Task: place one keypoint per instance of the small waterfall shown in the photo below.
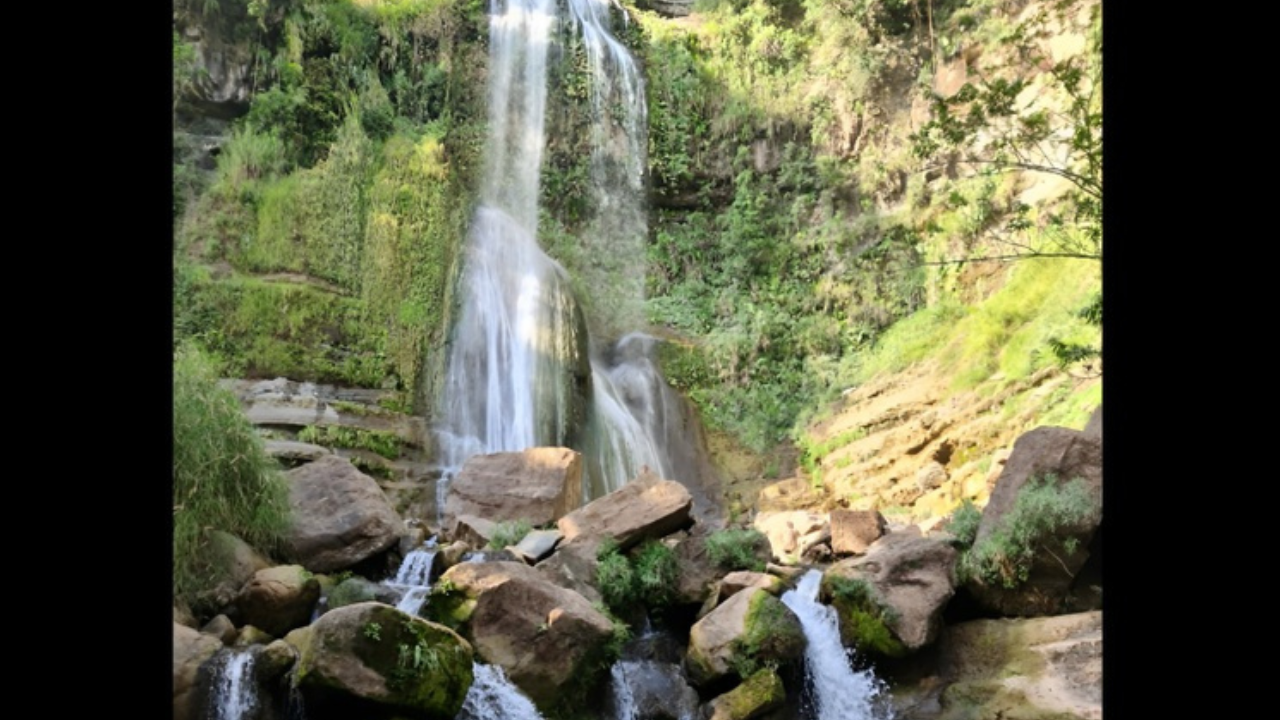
(413, 578)
(493, 697)
(640, 684)
(234, 695)
(836, 692)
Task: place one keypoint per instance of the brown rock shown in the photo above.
(735, 582)
(339, 515)
(646, 507)
(792, 532)
(472, 530)
(222, 628)
(279, 599)
(721, 640)
(543, 636)
(853, 531)
(538, 485)
(190, 650)
(909, 574)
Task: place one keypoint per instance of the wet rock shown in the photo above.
(370, 659)
(544, 636)
(655, 690)
(279, 599)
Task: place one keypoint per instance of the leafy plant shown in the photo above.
(736, 549)
(656, 574)
(509, 532)
(614, 576)
(1044, 508)
(964, 524)
(373, 631)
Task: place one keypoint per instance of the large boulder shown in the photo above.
(748, 629)
(890, 601)
(548, 640)
(191, 649)
(372, 660)
(279, 599)
(232, 562)
(573, 566)
(1021, 669)
(339, 515)
(1036, 530)
(539, 485)
(646, 507)
(853, 531)
(698, 573)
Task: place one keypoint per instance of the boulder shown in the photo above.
(544, 637)
(1044, 584)
(373, 660)
(749, 628)
(339, 515)
(1024, 668)
(853, 531)
(757, 695)
(279, 599)
(792, 532)
(357, 590)
(274, 661)
(190, 650)
(539, 485)
(900, 586)
(573, 566)
(735, 582)
(698, 574)
(474, 531)
(233, 562)
(644, 508)
(222, 628)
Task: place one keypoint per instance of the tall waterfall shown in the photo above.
(522, 371)
(833, 689)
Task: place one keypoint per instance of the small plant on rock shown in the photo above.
(509, 533)
(735, 549)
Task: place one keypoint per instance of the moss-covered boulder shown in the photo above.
(551, 642)
(750, 629)
(374, 661)
(890, 601)
(357, 590)
(756, 696)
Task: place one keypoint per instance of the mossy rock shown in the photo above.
(757, 695)
(373, 658)
(357, 590)
(864, 619)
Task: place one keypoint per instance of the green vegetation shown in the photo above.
(387, 444)
(736, 549)
(864, 619)
(509, 532)
(1039, 525)
(964, 524)
(647, 577)
(772, 636)
(222, 477)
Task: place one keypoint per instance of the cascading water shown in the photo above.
(234, 695)
(521, 369)
(834, 690)
(492, 696)
(413, 578)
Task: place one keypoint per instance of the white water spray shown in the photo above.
(492, 697)
(234, 694)
(836, 691)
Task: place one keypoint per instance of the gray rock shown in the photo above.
(647, 507)
(537, 545)
(339, 515)
(538, 485)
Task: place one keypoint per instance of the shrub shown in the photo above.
(222, 477)
(735, 549)
(656, 574)
(614, 576)
(863, 617)
(1042, 509)
(509, 532)
(964, 524)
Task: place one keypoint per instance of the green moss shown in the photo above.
(384, 443)
(772, 636)
(761, 691)
(864, 619)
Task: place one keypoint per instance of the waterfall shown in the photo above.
(492, 696)
(234, 695)
(834, 690)
(413, 578)
(522, 371)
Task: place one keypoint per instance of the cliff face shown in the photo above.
(815, 171)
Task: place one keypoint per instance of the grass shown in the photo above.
(509, 532)
(736, 549)
(222, 477)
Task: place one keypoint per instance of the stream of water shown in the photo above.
(834, 691)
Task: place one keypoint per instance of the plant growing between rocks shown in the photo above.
(735, 549)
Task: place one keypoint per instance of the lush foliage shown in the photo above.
(509, 532)
(863, 617)
(647, 576)
(964, 524)
(1039, 526)
(222, 478)
(736, 549)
